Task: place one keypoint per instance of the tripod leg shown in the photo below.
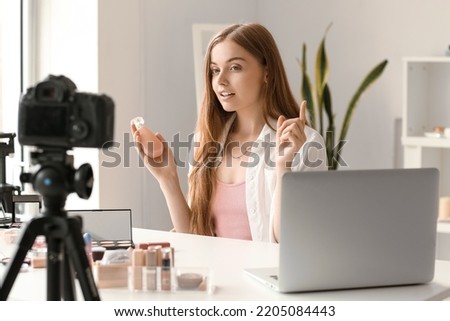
(68, 275)
(76, 251)
(54, 268)
(32, 230)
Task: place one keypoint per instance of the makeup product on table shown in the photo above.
(135, 270)
(152, 260)
(166, 267)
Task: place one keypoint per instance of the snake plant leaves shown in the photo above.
(370, 78)
(306, 90)
(321, 94)
(321, 75)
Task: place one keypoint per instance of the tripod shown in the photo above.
(66, 254)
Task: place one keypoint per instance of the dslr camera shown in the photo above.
(54, 114)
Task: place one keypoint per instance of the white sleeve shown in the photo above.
(312, 156)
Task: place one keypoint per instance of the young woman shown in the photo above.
(250, 131)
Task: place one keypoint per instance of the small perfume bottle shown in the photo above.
(152, 146)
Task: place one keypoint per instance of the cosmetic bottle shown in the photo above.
(151, 145)
(135, 271)
(166, 259)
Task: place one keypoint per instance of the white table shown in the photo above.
(228, 258)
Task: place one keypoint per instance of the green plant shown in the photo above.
(320, 96)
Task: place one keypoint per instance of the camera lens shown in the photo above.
(79, 130)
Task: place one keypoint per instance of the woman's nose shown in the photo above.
(222, 79)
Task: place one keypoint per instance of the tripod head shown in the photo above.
(54, 177)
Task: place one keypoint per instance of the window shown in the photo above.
(1, 50)
(10, 80)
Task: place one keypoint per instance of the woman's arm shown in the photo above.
(277, 206)
(176, 202)
(290, 138)
(164, 169)
(311, 157)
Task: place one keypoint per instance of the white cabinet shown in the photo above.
(426, 105)
(443, 241)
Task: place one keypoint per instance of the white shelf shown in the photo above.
(420, 141)
(426, 105)
(444, 227)
(430, 59)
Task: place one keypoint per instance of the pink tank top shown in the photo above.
(229, 211)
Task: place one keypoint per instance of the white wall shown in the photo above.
(140, 52)
(121, 75)
(363, 33)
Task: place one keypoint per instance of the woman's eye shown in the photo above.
(215, 71)
(235, 67)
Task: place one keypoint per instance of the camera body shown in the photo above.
(54, 114)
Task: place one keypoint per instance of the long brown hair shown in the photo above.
(278, 98)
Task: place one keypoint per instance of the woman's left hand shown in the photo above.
(290, 138)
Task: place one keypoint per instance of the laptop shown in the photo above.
(355, 229)
(109, 228)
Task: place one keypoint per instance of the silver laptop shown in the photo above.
(355, 228)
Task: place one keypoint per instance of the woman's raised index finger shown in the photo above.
(303, 112)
